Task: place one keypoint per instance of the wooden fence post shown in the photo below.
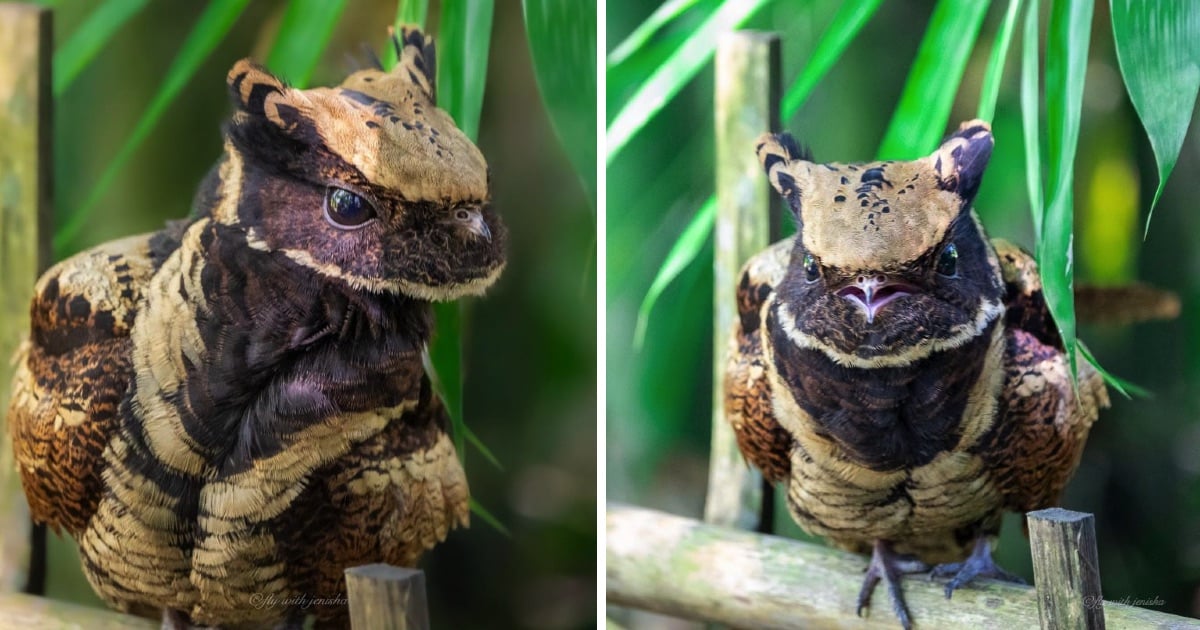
(25, 211)
(747, 105)
(1066, 569)
(387, 597)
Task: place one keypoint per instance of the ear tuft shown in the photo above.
(776, 153)
(250, 84)
(962, 158)
(417, 58)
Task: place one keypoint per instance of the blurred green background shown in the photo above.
(1140, 473)
(528, 347)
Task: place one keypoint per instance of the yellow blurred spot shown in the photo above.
(1109, 224)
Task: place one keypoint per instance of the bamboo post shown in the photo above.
(747, 105)
(25, 168)
(685, 568)
(387, 597)
(1066, 569)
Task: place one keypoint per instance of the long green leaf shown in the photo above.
(852, 15)
(682, 254)
(678, 70)
(920, 118)
(78, 51)
(995, 69)
(304, 32)
(843, 28)
(1029, 117)
(1158, 47)
(1124, 387)
(666, 12)
(1068, 36)
(210, 29)
(465, 33)
(487, 452)
(562, 41)
(408, 13)
(487, 517)
(463, 39)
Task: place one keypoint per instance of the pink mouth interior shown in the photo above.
(880, 297)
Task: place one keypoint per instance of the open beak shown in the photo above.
(871, 292)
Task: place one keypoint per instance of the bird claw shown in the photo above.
(888, 566)
(978, 564)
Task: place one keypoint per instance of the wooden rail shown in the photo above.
(685, 568)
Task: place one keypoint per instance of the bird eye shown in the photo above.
(462, 215)
(346, 210)
(947, 263)
(811, 271)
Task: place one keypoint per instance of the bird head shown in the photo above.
(890, 262)
(367, 182)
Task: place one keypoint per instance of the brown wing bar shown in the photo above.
(71, 376)
(763, 442)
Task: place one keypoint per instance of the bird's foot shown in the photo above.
(978, 564)
(888, 566)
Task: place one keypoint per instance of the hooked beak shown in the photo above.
(479, 227)
(472, 221)
(871, 292)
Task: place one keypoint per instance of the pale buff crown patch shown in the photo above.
(385, 124)
(874, 215)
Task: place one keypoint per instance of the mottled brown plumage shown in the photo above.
(897, 371)
(228, 413)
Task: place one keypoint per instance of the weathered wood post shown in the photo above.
(747, 104)
(1066, 569)
(25, 212)
(387, 597)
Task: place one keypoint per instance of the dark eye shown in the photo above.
(462, 215)
(811, 271)
(346, 210)
(947, 263)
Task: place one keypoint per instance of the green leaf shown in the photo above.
(487, 452)
(849, 20)
(481, 512)
(210, 29)
(1158, 48)
(445, 369)
(679, 69)
(78, 51)
(412, 12)
(562, 42)
(1029, 117)
(465, 32)
(1124, 387)
(995, 69)
(408, 13)
(682, 253)
(304, 32)
(1067, 40)
(666, 12)
(920, 118)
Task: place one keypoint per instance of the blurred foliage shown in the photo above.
(913, 66)
(147, 84)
